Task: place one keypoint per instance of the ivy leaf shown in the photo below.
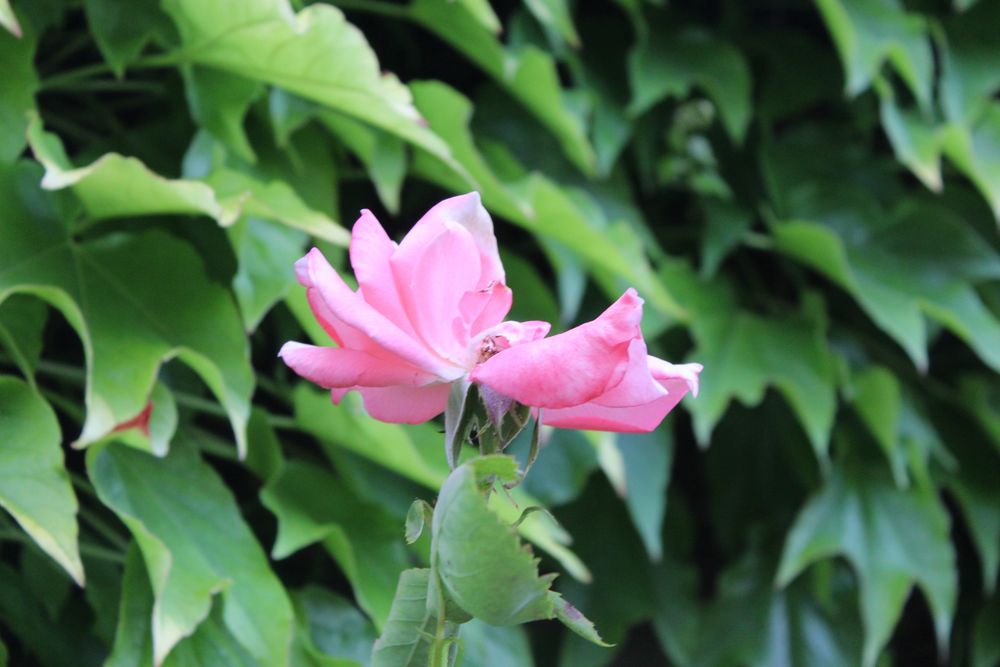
(122, 30)
(903, 434)
(648, 459)
(924, 260)
(116, 186)
(672, 64)
(195, 544)
(264, 251)
(894, 540)
(335, 626)
(22, 320)
(968, 80)
(18, 84)
(219, 103)
(868, 33)
(35, 487)
(134, 300)
(8, 20)
(312, 506)
(986, 645)
(555, 17)
(748, 622)
(788, 353)
(528, 74)
(315, 53)
(383, 154)
(534, 202)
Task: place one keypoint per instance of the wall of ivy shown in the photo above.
(806, 195)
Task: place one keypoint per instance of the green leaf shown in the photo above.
(671, 64)
(972, 483)
(133, 645)
(411, 628)
(745, 353)
(122, 30)
(335, 627)
(195, 544)
(748, 622)
(134, 300)
(924, 260)
(383, 154)
(219, 103)
(481, 562)
(22, 320)
(116, 186)
(868, 33)
(534, 202)
(571, 617)
(986, 643)
(312, 506)
(528, 74)
(415, 453)
(315, 54)
(34, 486)
(419, 514)
(648, 459)
(726, 226)
(969, 78)
(555, 17)
(893, 539)
(484, 645)
(9, 21)
(18, 84)
(264, 253)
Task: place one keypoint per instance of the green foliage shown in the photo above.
(806, 195)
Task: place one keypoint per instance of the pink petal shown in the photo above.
(571, 368)
(405, 405)
(331, 367)
(359, 326)
(432, 279)
(676, 380)
(638, 386)
(594, 417)
(466, 210)
(483, 308)
(371, 251)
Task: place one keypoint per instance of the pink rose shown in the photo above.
(430, 311)
(596, 376)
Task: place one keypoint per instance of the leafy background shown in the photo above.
(806, 194)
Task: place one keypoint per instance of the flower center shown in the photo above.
(491, 346)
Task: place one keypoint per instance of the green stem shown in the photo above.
(374, 7)
(86, 549)
(103, 528)
(74, 76)
(439, 649)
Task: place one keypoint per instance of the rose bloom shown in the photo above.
(430, 311)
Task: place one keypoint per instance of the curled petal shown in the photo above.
(371, 252)
(405, 405)
(465, 210)
(571, 368)
(675, 381)
(358, 325)
(332, 367)
(432, 281)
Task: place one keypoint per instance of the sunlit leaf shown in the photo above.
(195, 545)
(34, 485)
